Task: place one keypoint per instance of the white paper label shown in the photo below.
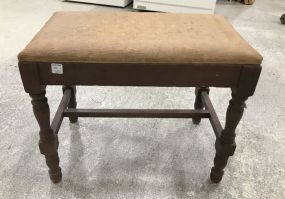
(56, 68)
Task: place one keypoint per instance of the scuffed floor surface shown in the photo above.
(143, 158)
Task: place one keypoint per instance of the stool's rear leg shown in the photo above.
(72, 102)
(48, 143)
(198, 102)
(225, 145)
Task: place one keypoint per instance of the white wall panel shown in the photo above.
(179, 6)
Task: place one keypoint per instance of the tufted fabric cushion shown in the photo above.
(128, 37)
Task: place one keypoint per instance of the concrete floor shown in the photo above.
(143, 158)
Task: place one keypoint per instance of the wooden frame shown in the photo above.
(242, 79)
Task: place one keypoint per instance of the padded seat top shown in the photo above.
(129, 37)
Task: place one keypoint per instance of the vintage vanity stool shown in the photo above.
(139, 49)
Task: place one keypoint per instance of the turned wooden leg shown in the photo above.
(48, 143)
(72, 102)
(198, 102)
(225, 145)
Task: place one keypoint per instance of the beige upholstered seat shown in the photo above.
(128, 37)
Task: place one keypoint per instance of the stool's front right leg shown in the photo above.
(48, 143)
(225, 145)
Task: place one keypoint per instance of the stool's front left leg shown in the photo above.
(225, 145)
(48, 143)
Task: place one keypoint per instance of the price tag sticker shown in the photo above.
(56, 68)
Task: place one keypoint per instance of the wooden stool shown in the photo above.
(139, 49)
